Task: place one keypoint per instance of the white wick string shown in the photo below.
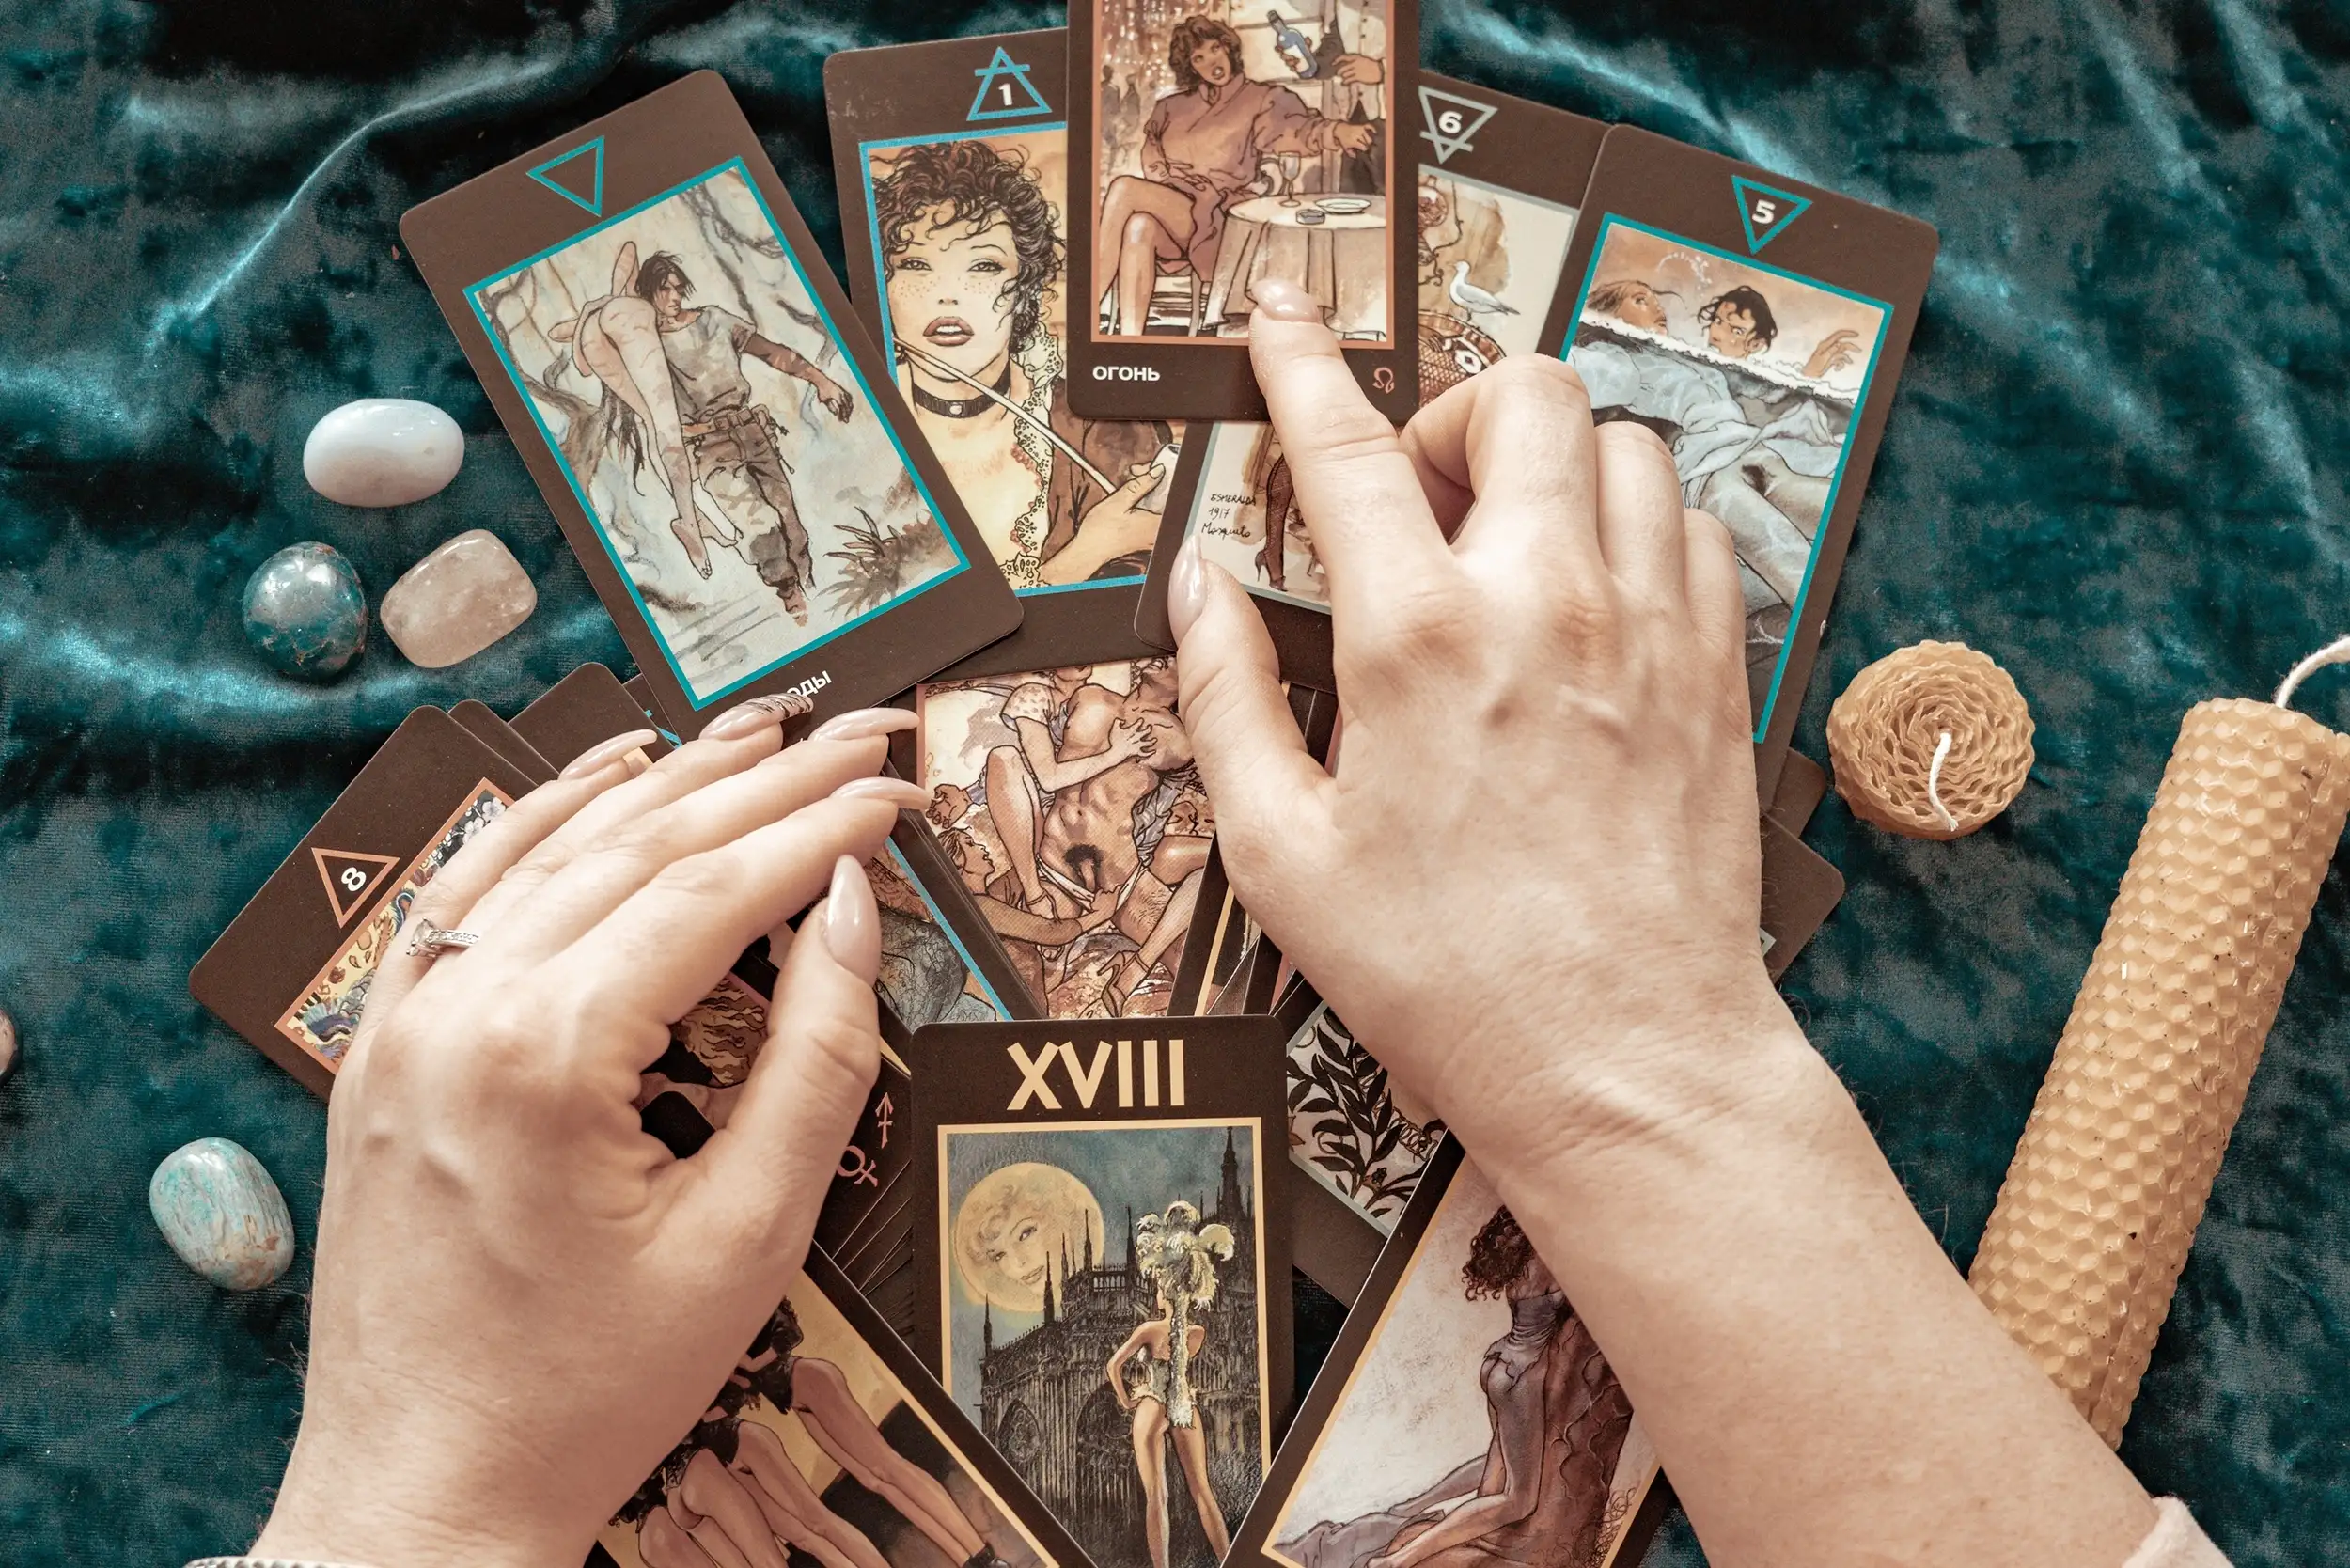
(1934, 773)
(2334, 652)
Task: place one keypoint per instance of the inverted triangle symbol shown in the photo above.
(350, 876)
(1765, 209)
(1451, 120)
(576, 176)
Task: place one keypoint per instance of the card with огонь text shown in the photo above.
(1499, 181)
(1214, 152)
(1759, 326)
(952, 160)
(728, 455)
(1104, 1266)
(1523, 1448)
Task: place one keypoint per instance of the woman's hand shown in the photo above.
(1533, 875)
(1531, 887)
(522, 1300)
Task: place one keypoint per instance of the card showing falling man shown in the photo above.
(728, 455)
(1215, 146)
(1104, 1271)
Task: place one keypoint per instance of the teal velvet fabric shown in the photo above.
(2116, 462)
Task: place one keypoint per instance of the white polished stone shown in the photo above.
(382, 452)
(457, 600)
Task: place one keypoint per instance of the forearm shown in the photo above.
(1797, 1345)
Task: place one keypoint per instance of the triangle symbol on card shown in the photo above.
(1765, 209)
(350, 876)
(576, 176)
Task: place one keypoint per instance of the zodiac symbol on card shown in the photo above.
(857, 1167)
(1383, 379)
(881, 1115)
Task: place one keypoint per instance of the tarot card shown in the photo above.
(1464, 1415)
(1103, 1267)
(1353, 1158)
(1212, 150)
(830, 1444)
(952, 163)
(1802, 785)
(480, 721)
(1759, 326)
(941, 963)
(725, 449)
(1501, 182)
(1068, 803)
(292, 972)
(585, 708)
(1799, 889)
(640, 691)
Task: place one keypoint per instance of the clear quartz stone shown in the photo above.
(458, 600)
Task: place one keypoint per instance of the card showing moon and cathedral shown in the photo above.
(1102, 1273)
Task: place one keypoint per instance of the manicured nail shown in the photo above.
(863, 724)
(1284, 300)
(759, 713)
(1187, 587)
(898, 791)
(852, 924)
(602, 756)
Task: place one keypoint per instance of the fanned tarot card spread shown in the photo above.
(1500, 180)
(952, 160)
(829, 1443)
(1800, 889)
(293, 970)
(1103, 1270)
(728, 455)
(1212, 152)
(1759, 326)
(1464, 1419)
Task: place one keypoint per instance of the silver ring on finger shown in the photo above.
(431, 941)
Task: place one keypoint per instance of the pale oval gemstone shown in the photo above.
(382, 452)
(219, 1210)
(457, 600)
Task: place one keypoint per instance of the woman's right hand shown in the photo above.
(1533, 877)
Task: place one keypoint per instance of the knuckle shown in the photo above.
(1421, 636)
(1538, 375)
(839, 1055)
(699, 878)
(1634, 440)
(1346, 433)
(1585, 616)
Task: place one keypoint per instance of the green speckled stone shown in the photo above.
(220, 1211)
(305, 612)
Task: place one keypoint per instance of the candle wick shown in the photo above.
(1934, 779)
(2334, 652)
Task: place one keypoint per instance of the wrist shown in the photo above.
(1590, 1106)
(361, 1513)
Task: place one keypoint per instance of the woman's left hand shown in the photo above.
(522, 1300)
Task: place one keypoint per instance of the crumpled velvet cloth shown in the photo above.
(2116, 463)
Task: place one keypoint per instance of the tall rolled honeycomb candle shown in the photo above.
(2092, 1225)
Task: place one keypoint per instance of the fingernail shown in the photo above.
(852, 924)
(1187, 587)
(898, 791)
(1284, 300)
(759, 713)
(863, 724)
(599, 757)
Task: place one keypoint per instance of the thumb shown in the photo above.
(1138, 484)
(1272, 800)
(763, 1177)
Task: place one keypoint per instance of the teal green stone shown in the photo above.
(220, 1211)
(305, 610)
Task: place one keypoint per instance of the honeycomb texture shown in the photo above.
(1883, 731)
(2100, 1204)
